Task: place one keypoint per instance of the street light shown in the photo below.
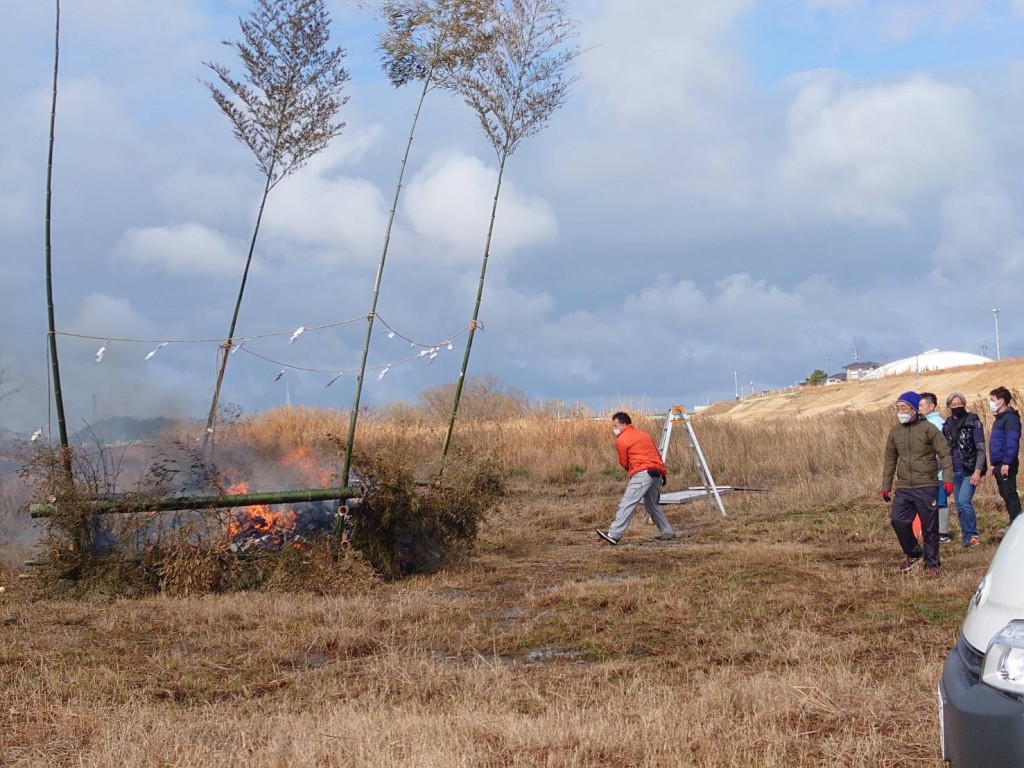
(995, 314)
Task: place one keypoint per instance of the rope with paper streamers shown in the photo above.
(427, 350)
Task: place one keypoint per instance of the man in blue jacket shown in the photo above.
(1003, 447)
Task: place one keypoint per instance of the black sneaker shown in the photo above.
(945, 538)
(606, 537)
(666, 537)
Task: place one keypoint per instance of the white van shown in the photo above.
(981, 693)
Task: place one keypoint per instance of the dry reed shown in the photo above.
(782, 635)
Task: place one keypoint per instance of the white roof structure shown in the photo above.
(932, 360)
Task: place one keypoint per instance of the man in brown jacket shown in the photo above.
(910, 453)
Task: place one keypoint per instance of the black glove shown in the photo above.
(656, 473)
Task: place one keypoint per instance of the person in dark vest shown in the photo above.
(965, 435)
(910, 452)
(1003, 447)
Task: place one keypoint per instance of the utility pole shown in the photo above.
(984, 348)
(995, 313)
(736, 384)
(827, 366)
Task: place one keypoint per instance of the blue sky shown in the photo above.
(734, 186)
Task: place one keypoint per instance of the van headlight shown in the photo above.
(1003, 667)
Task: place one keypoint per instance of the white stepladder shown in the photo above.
(710, 490)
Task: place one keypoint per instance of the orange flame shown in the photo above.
(301, 459)
(260, 516)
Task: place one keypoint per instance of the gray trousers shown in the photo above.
(641, 487)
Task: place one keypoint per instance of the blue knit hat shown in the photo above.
(910, 398)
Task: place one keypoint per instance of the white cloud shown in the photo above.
(123, 382)
(352, 146)
(344, 217)
(506, 305)
(900, 20)
(639, 45)
(113, 17)
(674, 325)
(209, 197)
(659, 80)
(870, 152)
(94, 132)
(680, 302)
(182, 249)
(15, 208)
(835, 5)
(981, 231)
(449, 202)
(100, 314)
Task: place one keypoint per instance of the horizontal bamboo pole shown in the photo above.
(136, 504)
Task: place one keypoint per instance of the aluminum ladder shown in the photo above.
(678, 413)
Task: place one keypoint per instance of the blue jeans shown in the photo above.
(963, 495)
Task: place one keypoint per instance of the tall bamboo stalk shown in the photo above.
(423, 38)
(514, 87)
(284, 110)
(226, 347)
(476, 312)
(354, 415)
(62, 429)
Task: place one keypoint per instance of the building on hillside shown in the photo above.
(932, 360)
(859, 369)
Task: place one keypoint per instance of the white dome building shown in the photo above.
(932, 360)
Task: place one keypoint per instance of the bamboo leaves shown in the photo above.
(285, 108)
(514, 87)
(524, 76)
(424, 37)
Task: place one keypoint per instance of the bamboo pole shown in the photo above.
(169, 503)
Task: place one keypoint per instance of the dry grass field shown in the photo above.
(781, 635)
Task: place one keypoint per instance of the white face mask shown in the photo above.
(904, 417)
(993, 406)
(616, 430)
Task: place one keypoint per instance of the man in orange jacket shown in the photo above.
(640, 458)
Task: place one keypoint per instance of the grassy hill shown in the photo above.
(872, 396)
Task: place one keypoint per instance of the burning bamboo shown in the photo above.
(136, 505)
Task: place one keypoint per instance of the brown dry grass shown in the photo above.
(782, 635)
(974, 381)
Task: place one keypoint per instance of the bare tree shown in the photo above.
(514, 88)
(427, 41)
(484, 398)
(9, 384)
(284, 110)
